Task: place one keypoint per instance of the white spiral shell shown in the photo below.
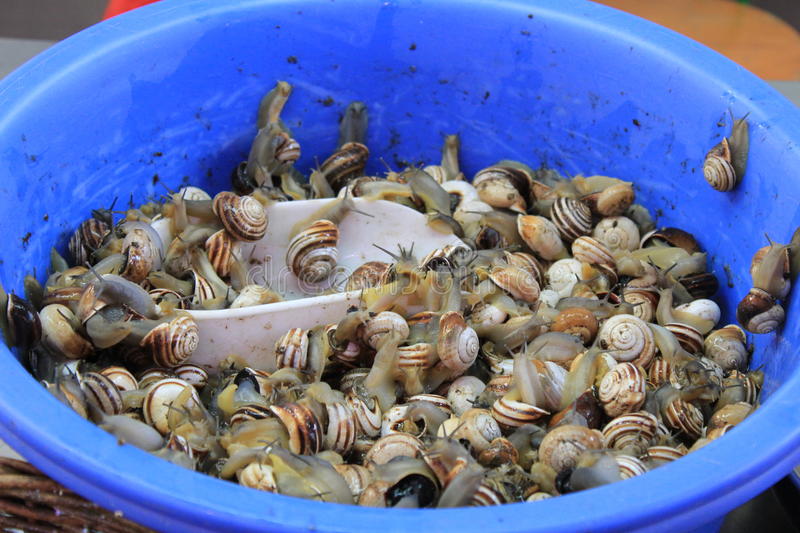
(627, 338)
(458, 344)
(563, 275)
(617, 233)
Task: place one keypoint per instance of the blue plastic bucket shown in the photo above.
(169, 92)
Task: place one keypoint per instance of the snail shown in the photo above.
(758, 312)
(504, 187)
(617, 233)
(726, 162)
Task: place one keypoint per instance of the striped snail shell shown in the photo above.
(86, 239)
(291, 350)
(701, 285)
(303, 426)
(312, 253)
(487, 494)
(419, 355)
(287, 149)
(458, 344)
(59, 335)
(628, 338)
(622, 389)
(219, 248)
(152, 375)
(630, 466)
(370, 274)
(577, 321)
(357, 477)
(658, 455)
(436, 400)
(391, 446)
(572, 217)
(243, 216)
(143, 255)
(249, 412)
(758, 312)
(513, 414)
(345, 164)
(167, 299)
(541, 236)
(383, 324)
(617, 233)
(684, 417)
(504, 187)
(644, 300)
(633, 430)
(671, 237)
(718, 169)
(689, 338)
(171, 343)
(258, 476)
(562, 445)
(192, 374)
(342, 429)
(101, 392)
(519, 283)
(158, 402)
(589, 250)
(121, 377)
(369, 419)
(660, 372)
(526, 262)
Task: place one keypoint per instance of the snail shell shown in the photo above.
(345, 164)
(758, 312)
(684, 417)
(701, 285)
(342, 428)
(436, 400)
(368, 275)
(446, 258)
(166, 299)
(675, 237)
(478, 427)
(458, 344)
(519, 283)
(192, 374)
(702, 308)
(577, 321)
(121, 378)
(143, 255)
(59, 335)
(563, 275)
(193, 193)
(526, 262)
(419, 355)
(312, 253)
(381, 325)
(159, 399)
(500, 452)
(541, 235)
(777, 283)
(152, 375)
(291, 350)
(572, 217)
(622, 389)
(86, 239)
(718, 169)
(287, 149)
(102, 393)
(258, 476)
(562, 446)
(627, 338)
(484, 314)
(658, 455)
(613, 200)
(369, 419)
(248, 412)
(630, 466)
(461, 193)
(503, 187)
(689, 338)
(500, 385)
(660, 372)
(617, 233)
(219, 248)
(357, 477)
(172, 343)
(727, 347)
(393, 445)
(633, 430)
(253, 294)
(463, 392)
(645, 300)
(486, 495)
(731, 414)
(589, 250)
(303, 426)
(513, 414)
(243, 216)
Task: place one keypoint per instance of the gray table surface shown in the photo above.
(764, 513)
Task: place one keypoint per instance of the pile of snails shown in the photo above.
(567, 344)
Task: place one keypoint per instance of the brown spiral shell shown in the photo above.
(717, 168)
(121, 377)
(287, 149)
(342, 429)
(577, 321)
(369, 420)
(391, 446)
(368, 275)
(684, 417)
(644, 300)
(345, 164)
(243, 216)
(312, 253)
(504, 187)
(627, 338)
(622, 389)
(383, 324)
(541, 235)
(635, 430)
(611, 201)
(141, 255)
(419, 355)
(660, 372)
(513, 414)
(519, 283)
(689, 338)
(630, 466)
(758, 312)
(248, 412)
(305, 430)
(526, 262)
(562, 445)
(702, 285)
(102, 393)
(458, 344)
(291, 350)
(572, 218)
(86, 239)
(219, 248)
(172, 343)
(589, 250)
(662, 454)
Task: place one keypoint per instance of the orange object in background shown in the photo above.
(115, 7)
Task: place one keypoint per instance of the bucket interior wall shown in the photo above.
(156, 109)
